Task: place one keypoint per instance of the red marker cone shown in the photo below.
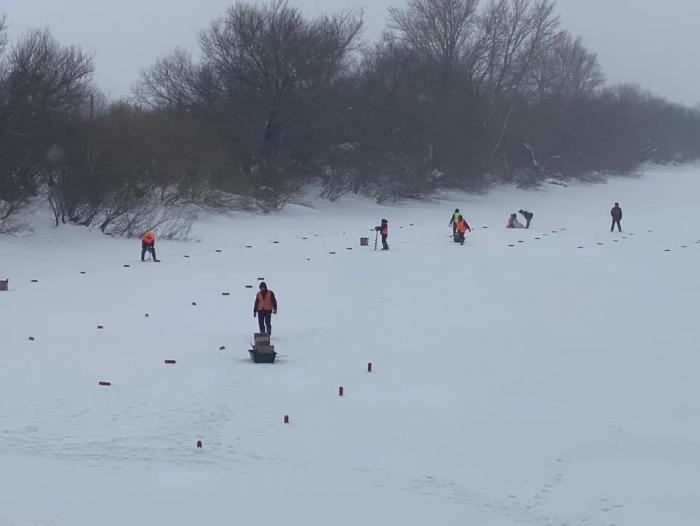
(199, 444)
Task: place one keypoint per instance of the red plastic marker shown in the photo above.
(199, 444)
(369, 367)
(341, 391)
(286, 419)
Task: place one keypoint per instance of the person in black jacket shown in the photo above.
(528, 217)
(616, 214)
(265, 306)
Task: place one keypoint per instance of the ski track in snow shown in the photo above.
(528, 377)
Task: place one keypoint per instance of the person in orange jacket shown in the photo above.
(383, 230)
(462, 229)
(148, 244)
(265, 306)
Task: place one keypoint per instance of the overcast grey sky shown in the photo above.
(648, 42)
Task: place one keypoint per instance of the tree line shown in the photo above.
(454, 94)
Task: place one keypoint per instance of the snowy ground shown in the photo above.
(538, 384)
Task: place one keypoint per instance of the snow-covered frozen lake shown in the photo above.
(552, 382)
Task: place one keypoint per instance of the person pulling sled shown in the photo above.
(265, 306)
(461, 230)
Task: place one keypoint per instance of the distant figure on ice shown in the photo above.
(616, 214)
(383, 230)
(528, 217)
(265, 306)
(148, 244)
(455, 220)
(513, 222)
(461, 231)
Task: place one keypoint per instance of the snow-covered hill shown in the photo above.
(543, 377)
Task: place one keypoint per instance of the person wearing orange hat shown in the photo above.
(148, 244)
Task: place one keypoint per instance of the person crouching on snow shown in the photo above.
(148, 244)
(265, 306)
(528, 217)
(462, 229)
(513, 222)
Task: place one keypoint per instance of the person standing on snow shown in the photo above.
(148, 244)
(454, 220)
(616, 214)
(383, 230)
(528, 217)
(462, 229)
(513, 222)
(265, 306)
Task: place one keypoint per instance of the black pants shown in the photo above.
(145, 247)
(615, 222)
(385, 245)
(454, 228)
(265, 321)
(528, 220)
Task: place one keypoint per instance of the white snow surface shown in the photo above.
(533, 384)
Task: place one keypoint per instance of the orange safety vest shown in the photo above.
(149, 238)
(462, 227)
(266, 302)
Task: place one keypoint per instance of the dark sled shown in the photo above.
(262, 357)
(459, 238)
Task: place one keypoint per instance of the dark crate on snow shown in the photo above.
(4, 284)
(266, 355)
(364, 241)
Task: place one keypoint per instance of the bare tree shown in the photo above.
(272, 52)
(44, 89)
(439, 29)
(173, 81)
(513, 35)
(566, 69)
(54, 77)
(3, 33)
